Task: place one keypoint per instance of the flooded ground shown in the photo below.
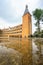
(21, 52)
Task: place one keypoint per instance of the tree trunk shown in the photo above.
(38, 27)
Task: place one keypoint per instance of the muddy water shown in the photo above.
(21, 52)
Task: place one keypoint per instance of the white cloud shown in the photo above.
(20, 4)
(3, 23)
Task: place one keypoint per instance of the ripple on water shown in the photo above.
(9, 55)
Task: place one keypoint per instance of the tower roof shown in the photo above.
(26, 10)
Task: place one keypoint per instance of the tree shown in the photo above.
(38, 15)
(42, 33)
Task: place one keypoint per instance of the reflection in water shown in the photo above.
(21, 52)
(9, 56)
(38, 54)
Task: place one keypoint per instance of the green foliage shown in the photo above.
(36, 34)
(38, 15)
(42, 31)
(30, 36)
(42, 35)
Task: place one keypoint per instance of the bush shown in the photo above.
(36, 35)
(42, 35)
(30, 36)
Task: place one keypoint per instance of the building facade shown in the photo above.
(22, 30)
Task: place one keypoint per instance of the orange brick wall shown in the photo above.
(26, 25)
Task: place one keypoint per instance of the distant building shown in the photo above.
(23, 30)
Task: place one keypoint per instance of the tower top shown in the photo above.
(26, 10)
(26, 6)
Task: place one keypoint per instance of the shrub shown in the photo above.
(42, 35)
(30, 36)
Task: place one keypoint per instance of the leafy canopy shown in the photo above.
(38, 14)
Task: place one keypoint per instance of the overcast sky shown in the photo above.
(11, 11)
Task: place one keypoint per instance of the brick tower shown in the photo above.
(26, 23)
